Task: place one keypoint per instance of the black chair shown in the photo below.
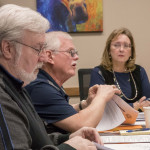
(84, 76)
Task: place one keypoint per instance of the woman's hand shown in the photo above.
(141, 103)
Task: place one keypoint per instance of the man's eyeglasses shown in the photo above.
(72, 52)
(118, 45)
(43, 46)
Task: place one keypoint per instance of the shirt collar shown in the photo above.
(17, 82)
(44, 74)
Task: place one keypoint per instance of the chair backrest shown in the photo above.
(84, 76)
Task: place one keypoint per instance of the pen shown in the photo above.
(143, 129)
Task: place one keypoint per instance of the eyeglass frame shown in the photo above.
(118, 45)
(36, 49)
(72, 52)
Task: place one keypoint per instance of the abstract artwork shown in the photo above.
(72, 15)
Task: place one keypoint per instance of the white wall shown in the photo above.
(133, 14)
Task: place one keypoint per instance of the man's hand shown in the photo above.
(92, 93)
(79, 143)
(83, 139)
(88, 133)
(105, 92)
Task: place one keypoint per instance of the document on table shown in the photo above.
(116, 112)
(140, 116)
(126, 139)
(134, 146)
(101, 147)
(142, 123)
(140, 120)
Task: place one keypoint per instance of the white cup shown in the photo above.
(147, 116)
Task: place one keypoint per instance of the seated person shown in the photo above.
(22, 41)
(49, 97)
(118, 67)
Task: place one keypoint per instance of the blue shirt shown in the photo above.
(124, 82)
(50, 100)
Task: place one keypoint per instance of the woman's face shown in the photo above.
(120, 49)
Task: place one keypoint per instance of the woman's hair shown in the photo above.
(53, 39)
(106, 58)
(15, 19)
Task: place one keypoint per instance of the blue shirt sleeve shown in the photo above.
(50, 103)
(96, 77)
(145, 83)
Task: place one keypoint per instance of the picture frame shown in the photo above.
(72, 15)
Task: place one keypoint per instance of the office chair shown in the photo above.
(84, 81)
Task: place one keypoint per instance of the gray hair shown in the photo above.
(15, 19)
(53, 39)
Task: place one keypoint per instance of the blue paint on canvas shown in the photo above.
(61, 17)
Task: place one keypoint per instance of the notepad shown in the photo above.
(143, 131)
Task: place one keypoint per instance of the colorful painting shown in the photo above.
(72, 15)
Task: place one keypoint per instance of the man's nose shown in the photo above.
(76, 57)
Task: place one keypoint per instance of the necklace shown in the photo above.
(115, 79)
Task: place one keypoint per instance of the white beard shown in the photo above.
(22, 74)
(27, 77)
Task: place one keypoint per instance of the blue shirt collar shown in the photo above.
(17, 82)
(43, 74)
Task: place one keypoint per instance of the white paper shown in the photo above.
(117, 112)
(101, 147)
(140, 116)
(135, 146)
(126, 139)
(142, 123)
(112, 117)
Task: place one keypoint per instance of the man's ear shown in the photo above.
(46, 57)
(7, 49)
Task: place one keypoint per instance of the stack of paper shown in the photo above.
(140, 117)
(126, 139)
(135, 146)
(140, 120)
(143, 131)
